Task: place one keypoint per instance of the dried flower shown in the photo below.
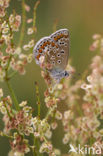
(58, 115)
(27, 7)
(29, 20)
(30, 31)
(23, 103)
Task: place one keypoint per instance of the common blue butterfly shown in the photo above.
(56, 50)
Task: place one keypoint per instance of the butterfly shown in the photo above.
(55, 48)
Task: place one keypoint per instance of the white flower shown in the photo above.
(18, 50)
(23, 103)
(1, 92)
(5, 30)
(27, 150)
(22, 56)
(54, 125)
(1, 103)
(36, 134)
(57, 152)
(4, 25)
(27, 108)
(3, 110)
(30, 58)
(90, 78)
(1, 3)
(3, 63)
(65, 139)
(67, 114)
(96, 36)
(60, 86)
(58, 115)
(18, 18)
(31, 44)
(86, 86)
(30, 31)
(11, 18)
(29, 20)
(48, 134)
(26, 47)
(15, 153)
(30, 129)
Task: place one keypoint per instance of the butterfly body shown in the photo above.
(55, 49)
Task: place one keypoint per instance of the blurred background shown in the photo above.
(83, 19)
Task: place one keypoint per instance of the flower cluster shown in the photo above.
(3, 5)
(19, 144)
(12, 58)
(25, 125)
(83, 120)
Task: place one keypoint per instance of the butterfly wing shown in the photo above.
(61, 38)
(55, 49)
(41, 47)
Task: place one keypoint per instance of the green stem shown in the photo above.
(7, 68)
(7, 110)
(37, 146)
(13, 96)
(23, 23)
(39, 110)
(34, 17)
(37, 142)
(38, 98)
(34, 151)
(35, 154)
(55, 25)
(5, 135)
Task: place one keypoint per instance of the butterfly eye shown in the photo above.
(66, 74)
(59, 61)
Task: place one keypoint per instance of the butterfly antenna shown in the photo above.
(55, 25)
(77, 75)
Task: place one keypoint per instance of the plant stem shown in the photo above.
(38, 98)
(34, 151)
(13, 95)
(5, 135)
(37, 146)
(7, 110)
(34, 17)
(23, 23)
